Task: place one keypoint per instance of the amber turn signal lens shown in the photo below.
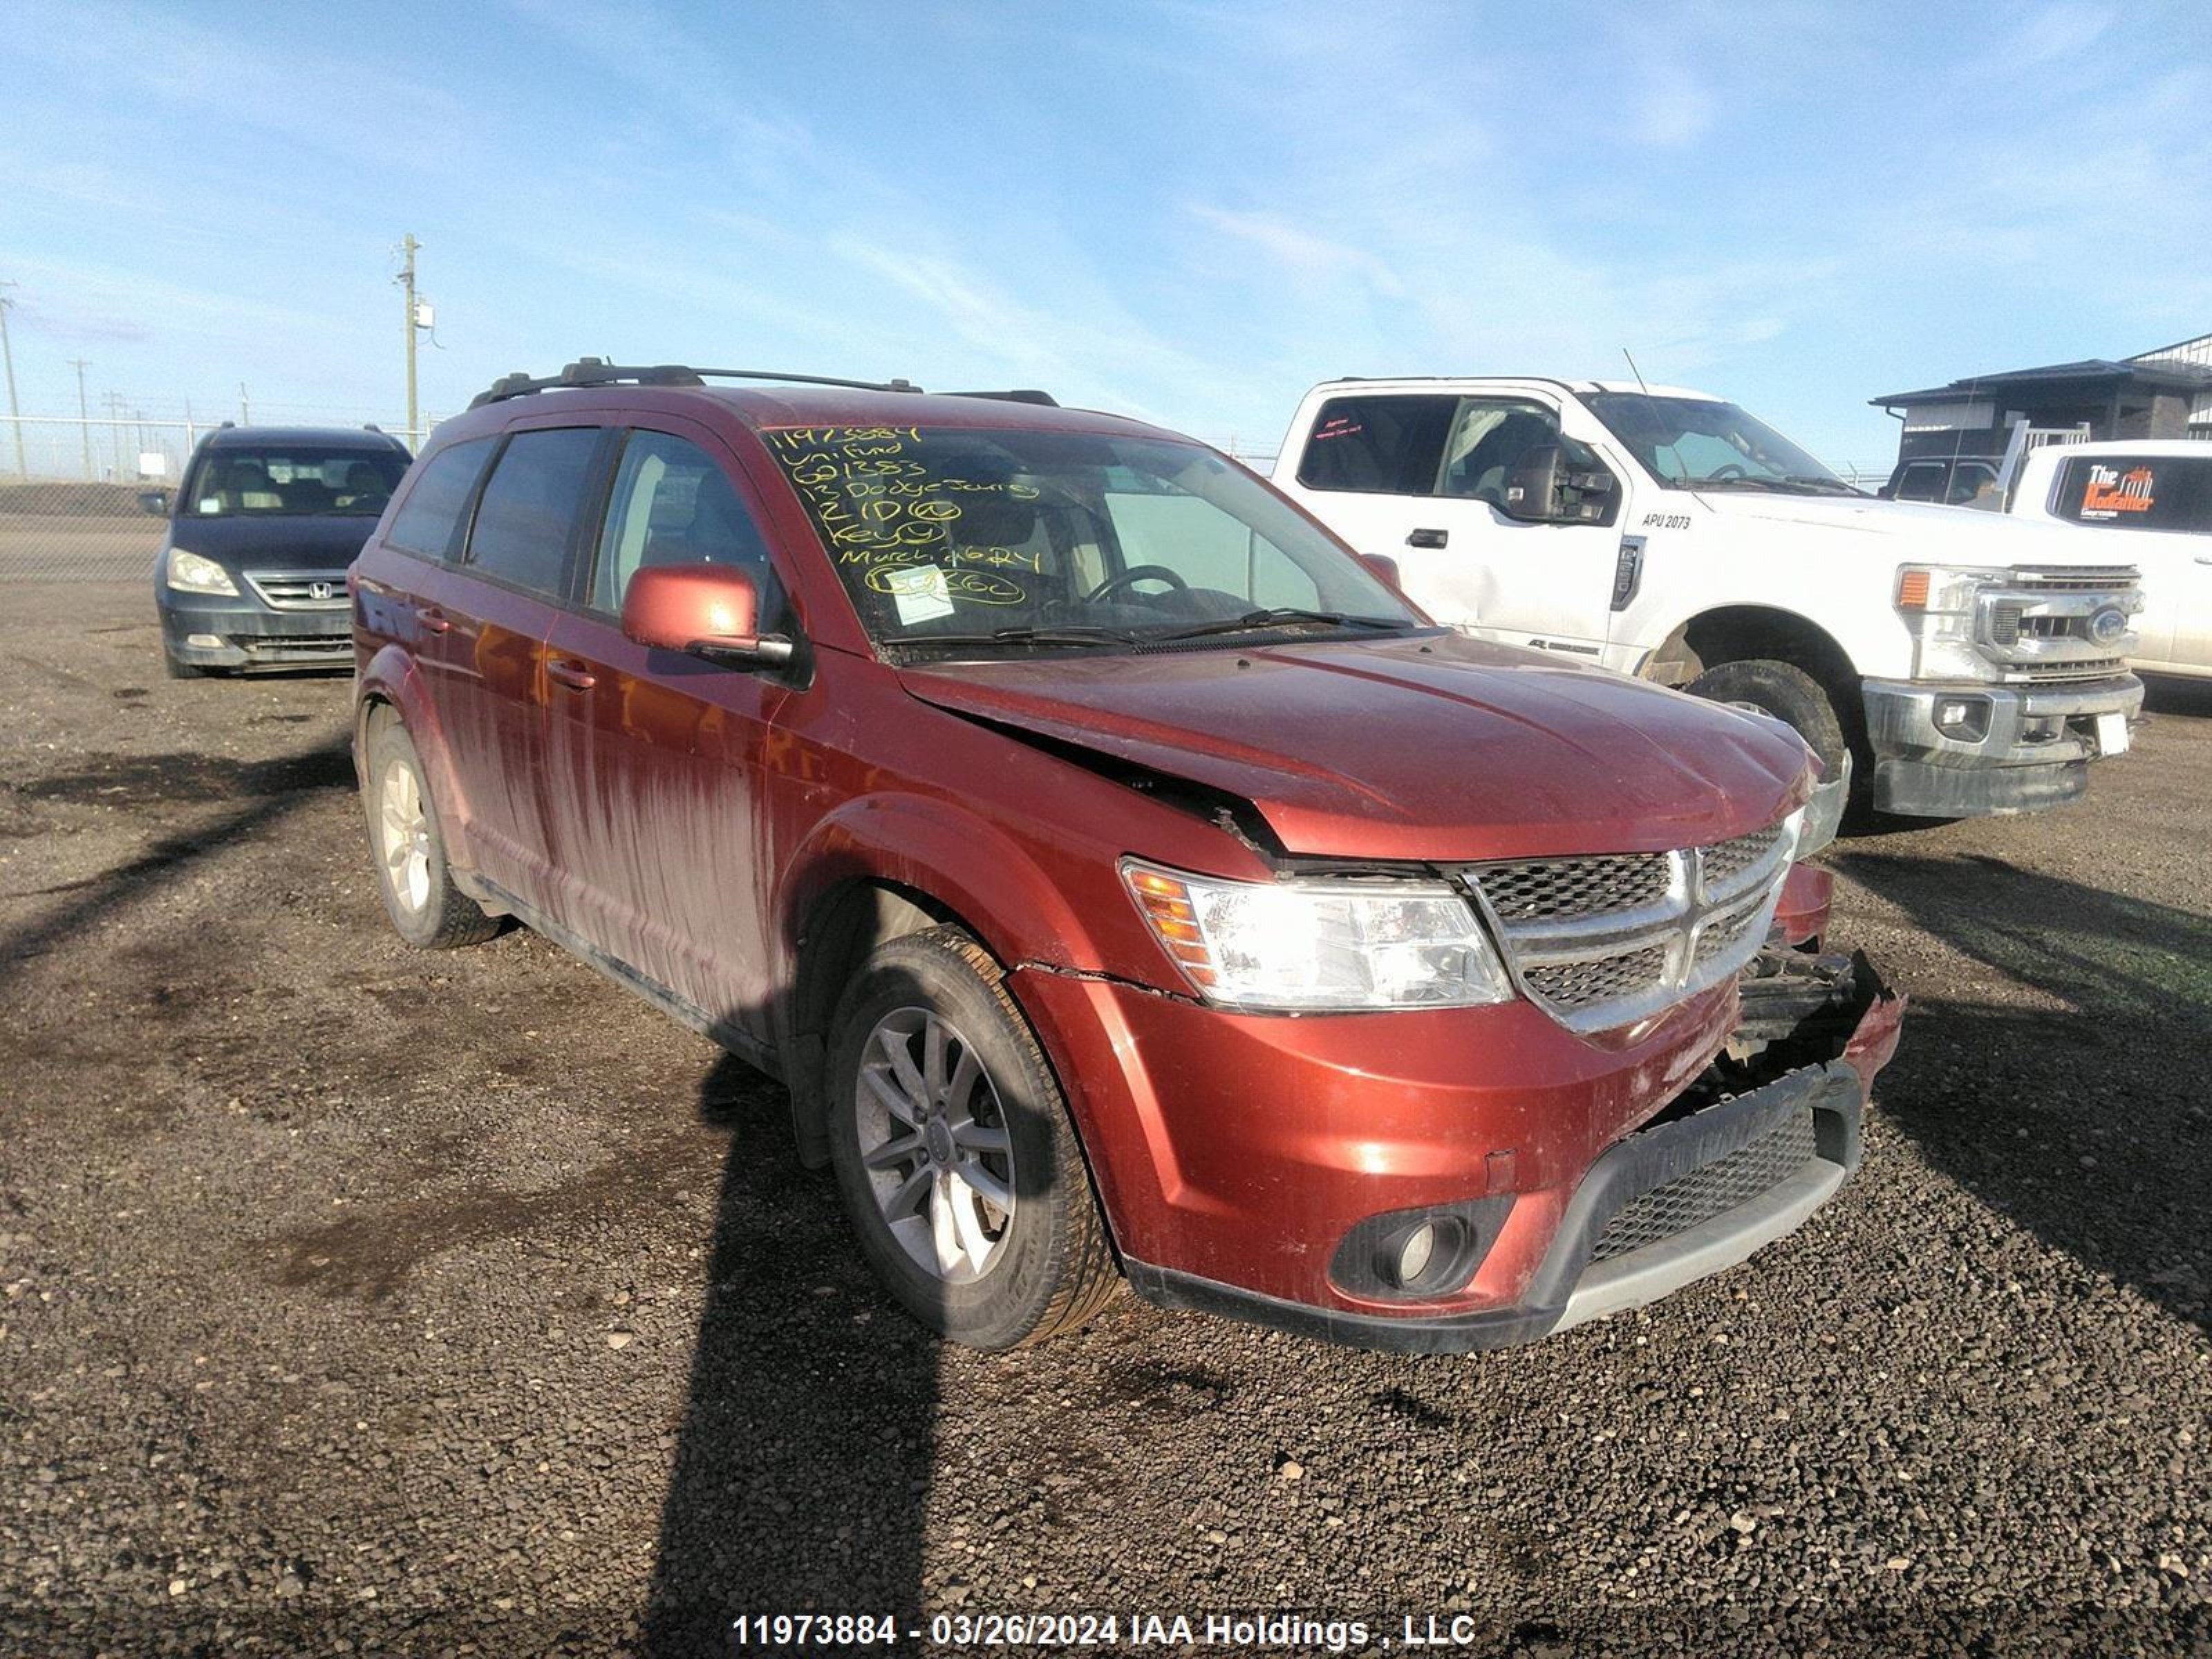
(1912, 591)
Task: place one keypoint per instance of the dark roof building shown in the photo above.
(2162, 393)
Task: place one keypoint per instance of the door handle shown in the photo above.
(1428, 539)
(574, 675)
(2204, 558)
(432, 618)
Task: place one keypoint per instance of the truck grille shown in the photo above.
(1712, 1188)
(2078, 579)
(2059, 673)
(296, 590)
(1603, 942)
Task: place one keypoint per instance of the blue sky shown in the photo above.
(1186, 211)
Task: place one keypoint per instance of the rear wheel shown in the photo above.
(954, 1153)
(1789, 694)
(429, 911)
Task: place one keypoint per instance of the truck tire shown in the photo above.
(1789, 694)
(408, 849)
(954, 1153)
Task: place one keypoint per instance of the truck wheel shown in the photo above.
(429, 911)
(1789, 694)
(954, 1153)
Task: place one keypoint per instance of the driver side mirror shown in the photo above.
(155, 501)
(709, 611)
(1542, 489)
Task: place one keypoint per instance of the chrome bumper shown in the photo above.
(2020, 747)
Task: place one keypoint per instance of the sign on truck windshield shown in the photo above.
(2137, 493)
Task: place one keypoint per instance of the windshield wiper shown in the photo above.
(1068, 635)
(1275, 617)
(1747, 481)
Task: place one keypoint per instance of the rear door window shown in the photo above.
(428, 521)
(1381, 443)
(2166, 492)
(525, 525)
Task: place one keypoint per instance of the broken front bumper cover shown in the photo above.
(1830, 1023)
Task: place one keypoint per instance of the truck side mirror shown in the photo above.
(1543, 489)
(710, 610)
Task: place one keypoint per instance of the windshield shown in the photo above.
(294, 478)
(1015, 539)
(1696, 443)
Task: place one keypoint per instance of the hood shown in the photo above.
(1918, 532)
(274, 541)
(1424, 747)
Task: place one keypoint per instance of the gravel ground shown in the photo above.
(361, 1301)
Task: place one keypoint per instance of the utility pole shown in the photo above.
(408, 249)
(245, 416)
(83, 414)
(7, 354)
(113, 404)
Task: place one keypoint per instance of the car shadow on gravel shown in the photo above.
(2090, 1128)
(803, 1462)
(267, 792)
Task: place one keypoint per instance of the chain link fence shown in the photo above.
(70, 488)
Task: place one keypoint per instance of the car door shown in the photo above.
(655, 759)
(490, 615)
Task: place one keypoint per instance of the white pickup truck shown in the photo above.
(1957, 663)
(2152, 497)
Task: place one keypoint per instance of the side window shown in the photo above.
(1387, 444)
(1489, 437)
(428, 521)
(673, 504)
(1969, 479)
(526, 521)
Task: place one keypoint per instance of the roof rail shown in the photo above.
(596, 371)
(1025, 395)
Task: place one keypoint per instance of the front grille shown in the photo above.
(2078, 668)
(296, 590)
(1603, 942)
(1575, 887)
(1712, 1188)
(270, 645)
(2078, 579)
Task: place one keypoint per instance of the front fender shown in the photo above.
(959, 858)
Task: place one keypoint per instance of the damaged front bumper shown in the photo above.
(1764, 1138)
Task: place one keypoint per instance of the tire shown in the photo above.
(408, 848)
(1789, 694)
(926, 1230)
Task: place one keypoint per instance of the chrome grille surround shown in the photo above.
(1603, 942)
(288, 590)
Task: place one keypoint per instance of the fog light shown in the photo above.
(204, 642)
(1966, 717)
(1414, 1255)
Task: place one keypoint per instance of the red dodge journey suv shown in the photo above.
(1127, 881)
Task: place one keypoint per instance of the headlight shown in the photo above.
(1937, 603)
(191, 573)
(1320, 944)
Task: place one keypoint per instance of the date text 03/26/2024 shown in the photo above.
(1167, 1632)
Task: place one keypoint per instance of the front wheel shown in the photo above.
(954, 1154)
(1790, 695)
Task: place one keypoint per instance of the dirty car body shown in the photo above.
(1513, 1086)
